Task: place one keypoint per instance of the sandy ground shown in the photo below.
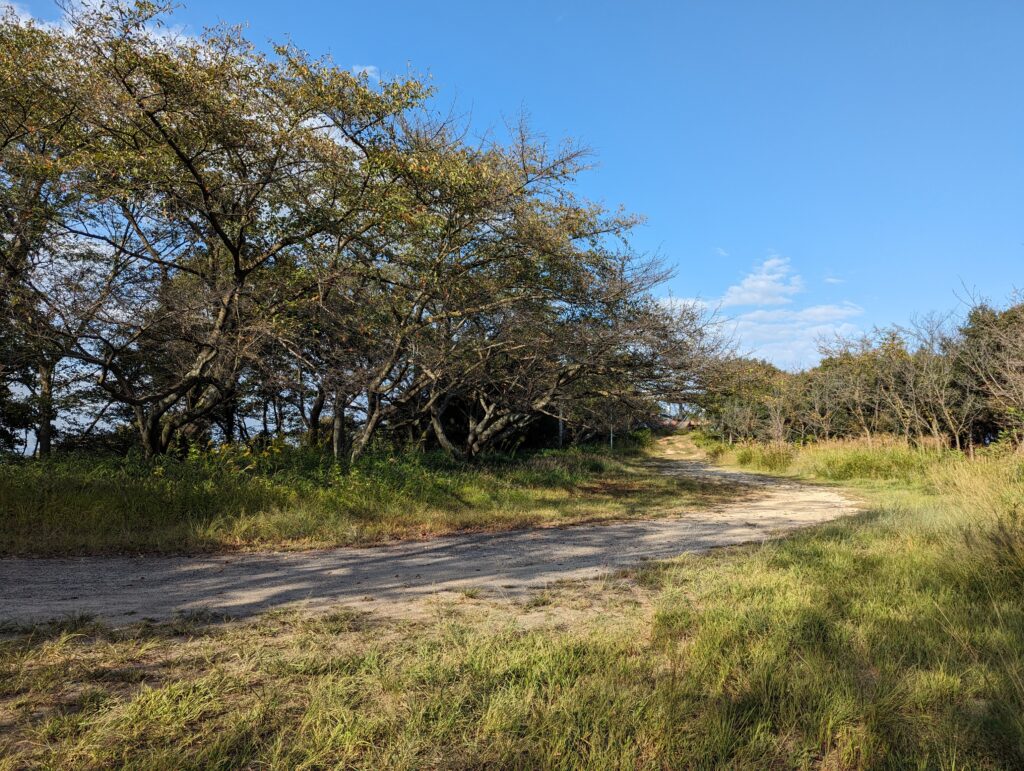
(397, 579)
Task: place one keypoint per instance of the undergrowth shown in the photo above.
(281, 495)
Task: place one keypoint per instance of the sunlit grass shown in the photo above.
(894, 639)
(881, 458)
(295, 498)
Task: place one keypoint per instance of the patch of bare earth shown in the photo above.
(410, 580)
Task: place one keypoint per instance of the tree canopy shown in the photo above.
(205, 242)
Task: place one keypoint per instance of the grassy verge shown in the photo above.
(890, 640)
(296, 498)
(881, 460)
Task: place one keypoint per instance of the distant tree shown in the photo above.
(992, 356)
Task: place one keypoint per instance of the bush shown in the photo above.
(715, 452)
(713, 446)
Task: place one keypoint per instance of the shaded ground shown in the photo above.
(395, 579)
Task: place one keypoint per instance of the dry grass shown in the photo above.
(892, 640)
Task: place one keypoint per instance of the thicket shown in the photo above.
(203, 243)
(942, 382)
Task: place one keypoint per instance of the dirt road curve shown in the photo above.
(393, 578)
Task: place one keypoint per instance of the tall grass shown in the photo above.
(880, 458)
(289, 496)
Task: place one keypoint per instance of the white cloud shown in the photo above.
(159, 31)
(19, 12)
(813, 314)
(721, 252)
(772, 283)
(834, 280)
(678, 303)
(369, 70)
(789, 337)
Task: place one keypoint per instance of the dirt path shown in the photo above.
(395, 578)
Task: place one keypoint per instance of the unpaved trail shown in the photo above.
(396, 578)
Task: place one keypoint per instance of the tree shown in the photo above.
(40, 146)
(217, 243)
(992, 355)
(222, 186)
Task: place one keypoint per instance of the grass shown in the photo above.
(882, 458)
(894, 639)
(286, 497)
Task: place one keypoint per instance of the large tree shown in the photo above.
(222, 186)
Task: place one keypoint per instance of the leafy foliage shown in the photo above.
(208, 242)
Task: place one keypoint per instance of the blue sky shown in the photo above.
(810, 166)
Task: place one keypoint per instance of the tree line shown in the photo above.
(945, 381)
(202, 241)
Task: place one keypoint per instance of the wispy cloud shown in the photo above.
(834, 280)
(789, 337)
(772, 283)
(721, 252)
(767, 325)
(167, 34)
(369, 70)
(682, 303)
(19, 12)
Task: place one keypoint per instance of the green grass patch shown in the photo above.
(848, 460)
(774, 458)
(291, 497)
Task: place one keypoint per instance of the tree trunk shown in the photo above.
(278, 417)
(316, 410)
(373, 418)
(230, 420)
(44, 431)
(442, 437)
(149, 433)
(338, 427)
